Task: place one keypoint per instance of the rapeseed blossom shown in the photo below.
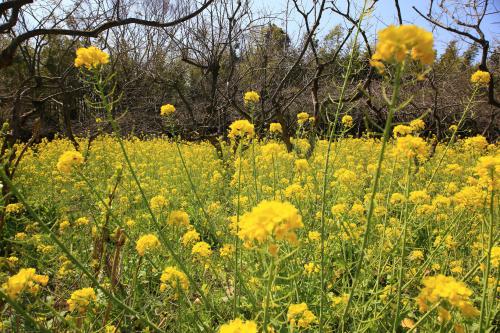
(68, 160)
(147, 243)
(395, 43)
(90, 57)
(81, 299)
(251, 97)
(299, 315)
(480, 77)
(167, 110)
(241, 129)
(347, 121)
(239, 326)
(172, 278)
(446, 289)
(270, 219)
(275, 128)
(25, 279)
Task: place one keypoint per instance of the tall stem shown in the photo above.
(403, 247)
(378, 172)
(331, 131)
(488, 258)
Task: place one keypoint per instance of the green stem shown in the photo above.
(19, 309)
(268, 294)
(331, 132)
(387, 131)
(403, 246)
(488, 259)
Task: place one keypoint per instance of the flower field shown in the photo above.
(205, 241)
(391, 232)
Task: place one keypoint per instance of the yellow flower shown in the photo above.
(63, 225)
(302, 117)
(301, 165)
(14, 208)
(480, 77)
(90, 57)
(488, 170)
(25, 279)
(495, 256)
(311, 268)
(158, 202)
(275, 128)
(147, 243)
(173, 278)
(270, 219)
(347, 121)
(226, 250)
(411, 146)
(417, 125)
(178, 217)
(80, 299)
(190, 236)
(82, 221)
(299, 315)
(201, 249)
(447, 289)
(241, 129)
(402, 130)
(111, 329)
(477, 142)
(68, 160)
(167, 109)
(251, 97)
(239, 326)
(416, 255)
(395, 43)
(314, 236)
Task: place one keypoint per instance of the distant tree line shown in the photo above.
(202, 57)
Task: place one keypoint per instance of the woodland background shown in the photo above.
(202, 56)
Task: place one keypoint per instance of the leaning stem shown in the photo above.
(403, 246)
(387, 130)
(331, 132)
(268, 294)
(488, 259)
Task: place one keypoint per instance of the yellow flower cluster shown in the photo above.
(158, 202)
(80, 299)
(299, 315)
(411, 146)
(178, 218)
(90, 57)
(447, 289)
(270, 219)
(68, 160)
(480, 77)
(167, 109)
(202, 250)
(395, 43)
(147, 243)
(14, 208)
(347, 121)
(302, 117)
(190, 236)
(241, 129)
(251, 97)
(25, 279)
(173, 278)
(488, 170)
(275, 128)
(239, 326)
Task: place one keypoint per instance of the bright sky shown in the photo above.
(385, 14)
